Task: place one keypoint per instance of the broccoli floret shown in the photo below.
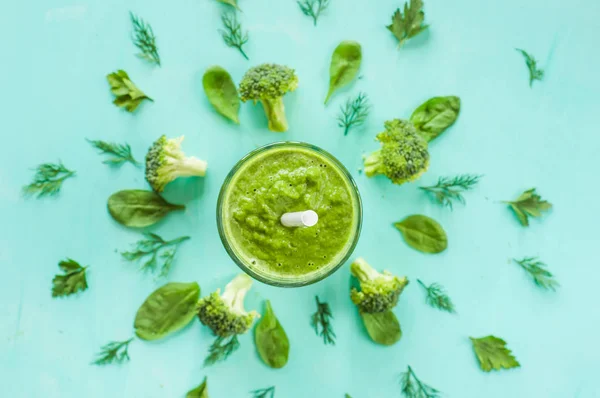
(379, 292)
(225, 314)
(403, 155)
(165, 161)
(268, 83)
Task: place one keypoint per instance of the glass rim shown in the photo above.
(273, 281)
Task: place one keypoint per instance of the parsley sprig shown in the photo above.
(408, 24)
(72, 281)
(528, 204)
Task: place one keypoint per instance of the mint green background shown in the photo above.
(55, 56)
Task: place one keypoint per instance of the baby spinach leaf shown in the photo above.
(382, 327)
(232, 3)
(434, 116)
(168, 309)
(221, 92)
(139, 208)
(345, 63)
(199, 392)
(423, 234)
(271, 341)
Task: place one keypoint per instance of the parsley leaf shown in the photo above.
(408, 24)
(536, 269)
(127, 94)
(529, 204)
(492, 353)
(534, 72)
(113, 352)
(72, 281)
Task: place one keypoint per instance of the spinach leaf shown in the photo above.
(221, 92)
(423, 234)
(345, 63)
(271, 341)
(168, 309)
(139, 208)
(434, 116)
(199, 392)
(382, 327)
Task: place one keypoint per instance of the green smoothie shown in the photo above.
(287, 178)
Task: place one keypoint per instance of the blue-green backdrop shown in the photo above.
(55, 56)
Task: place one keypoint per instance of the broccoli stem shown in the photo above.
(363, 271)
(373, 164)
(275, 112)
(190, 167)
(235, 291)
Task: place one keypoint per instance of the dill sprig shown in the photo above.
(144, 40)
(72, 281)
(437, 297)
(113, 352)
(220, 349)
(47, 180)
(264, 392)
(412, 387)
(354, 113)
(537, 270)
(534, 72)
(121, 152)
(323, 318)
(232, 33)
(155, 247)
(449, 189)
(313, 8)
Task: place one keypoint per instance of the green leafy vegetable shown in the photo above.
(199, 392)
(423, 234)
(354, 113)
(232, 3)
(408, 25)
(537, 270)
(72, 281)
(492, 353)
(435, 115)
(121, 152)
(322, 320)
(313, 8)
(264, 393)
(47, 180)
(232, 33)
(534, 72)
(529, 204)
(127, 95)
(166, 310)
(113, 352)
(139, 208)
(347, 396)
(152, 248)
(449, 189)
(437, 297)
(144, 40)
(345, 63)
(382, 327)
(221, 349)
(271, 340)
(221, 92)
(412, 387)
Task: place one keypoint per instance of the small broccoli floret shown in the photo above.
(268, 83)
(165, 161)
(379, 292)
(403, 155)
(225, 314)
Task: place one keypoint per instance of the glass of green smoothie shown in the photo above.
(291, 179)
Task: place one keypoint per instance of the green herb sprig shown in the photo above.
(534, 72)
(528, 204)
(47, 180)
(232, 33)
(144, 40)
(113, 352)
(322, 320)
(72, 281)
(121, 153)
(450, 189)
(492, 354)
(354, 112)
(537, 270)
(268, 392)
(408, 24)
(412, 387)
(127, 94)
(437, 297)
(221, 349)
(155, 247)
(313, 8)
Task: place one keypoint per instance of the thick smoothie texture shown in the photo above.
(288, 179)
